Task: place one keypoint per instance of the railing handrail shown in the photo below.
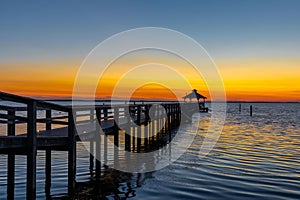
(14, 98)
(50, 105)
(27, 100)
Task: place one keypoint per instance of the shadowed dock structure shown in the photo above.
(54, 127)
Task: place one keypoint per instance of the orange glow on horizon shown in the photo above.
(153, 90)
(244, 80)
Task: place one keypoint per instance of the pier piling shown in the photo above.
(11, 127)
(71, 154)
(98, 145)
(48, 155)
(31, 150)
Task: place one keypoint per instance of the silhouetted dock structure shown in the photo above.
(62, 131)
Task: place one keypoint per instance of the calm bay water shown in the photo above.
(256, 157)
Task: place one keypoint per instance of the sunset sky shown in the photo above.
(255, 44)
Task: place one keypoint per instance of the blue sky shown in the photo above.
(68, 30)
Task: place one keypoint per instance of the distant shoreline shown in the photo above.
(156, 100)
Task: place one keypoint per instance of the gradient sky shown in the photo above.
(255, 44)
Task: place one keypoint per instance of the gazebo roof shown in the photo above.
(194, 94)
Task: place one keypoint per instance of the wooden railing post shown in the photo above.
(116, 135)
(48, 154)
(11, 124)
(105, 113)
(157, 123)
(92, 143)
(153, 124)
(71, 154)
(98, 144)
(31, 150)
(105, 110)
(127, 132)
(138, 122)
(11, 127)
(169, 118)
(146, 126)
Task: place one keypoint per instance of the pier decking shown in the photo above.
(62, 130)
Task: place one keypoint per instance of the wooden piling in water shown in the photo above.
(11, 127)
(169, 122)
(98, 144)
(105, 118)
(146, 126)
(48, 156)
(92, 157)
(251, 110)
(31, 150)
(92, 144)
(10, 176)
(134, 138)
(116, 136)
(138, 122)
(127, 136)
(71, 155)
(152, 131)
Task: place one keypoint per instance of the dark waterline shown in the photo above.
(255, 157)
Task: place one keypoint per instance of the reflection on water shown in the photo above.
(255, 157)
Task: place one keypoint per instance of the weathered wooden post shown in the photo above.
(133, 132)
(116, 127)
(176, 114)
(48, 155)
(133, 137)
(179, 113)
(11, 127)
(149, 133)
(146, 126)
(251, 110)
(174, 121)
(153, 128)
(149, 127)
(105, 116)
(158, 120)
(127, 132)
(240, 107)
(98, 144)
(169, 115)
(139, 140)
(31, 150)
(92, 158)
(163, 119)
(71, 154)
(158, 127)
(116, 135)
(170, 122)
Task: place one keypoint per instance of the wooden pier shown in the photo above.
(69, 125)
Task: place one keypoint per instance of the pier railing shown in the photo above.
(60, 127)
(27, 142)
